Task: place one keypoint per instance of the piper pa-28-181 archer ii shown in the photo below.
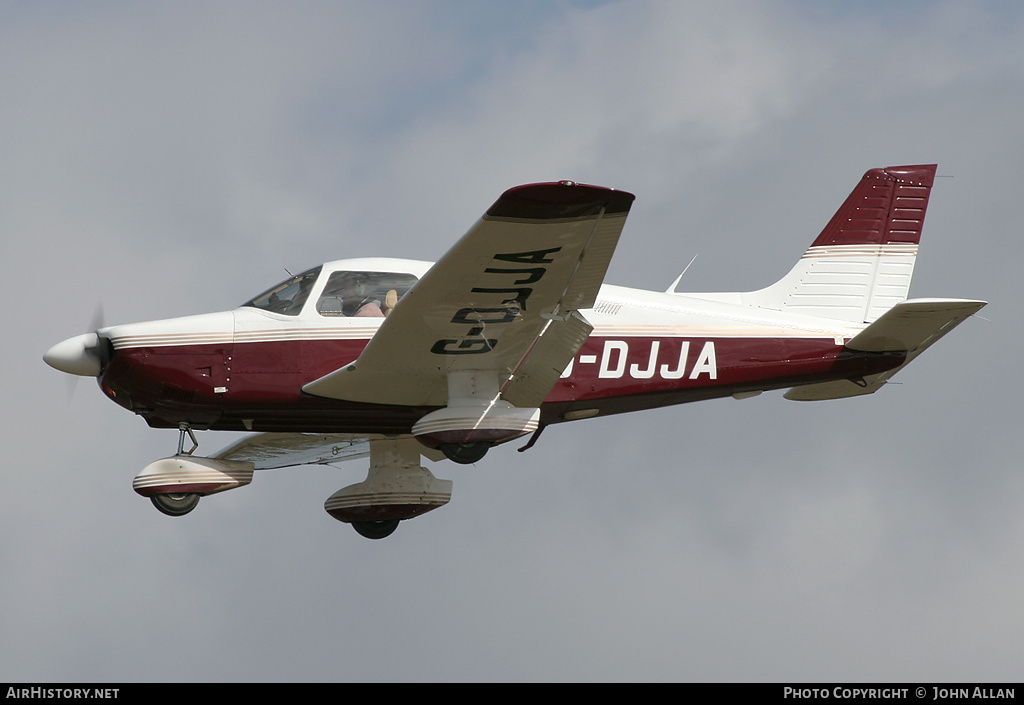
(511, 331)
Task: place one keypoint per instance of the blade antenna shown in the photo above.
(672, 289)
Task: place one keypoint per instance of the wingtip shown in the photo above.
(559, 199)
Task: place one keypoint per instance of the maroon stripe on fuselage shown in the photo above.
(258, 386)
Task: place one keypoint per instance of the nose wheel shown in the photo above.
(176, 504)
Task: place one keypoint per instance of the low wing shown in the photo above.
(280, 450)
(501, 299)
(912, 326)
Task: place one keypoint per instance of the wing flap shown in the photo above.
(546, 361)
(540, 251)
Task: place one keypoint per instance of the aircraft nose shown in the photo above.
(76, 356)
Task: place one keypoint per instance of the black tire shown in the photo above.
(175, 504)
(465, 453)
(376, 529)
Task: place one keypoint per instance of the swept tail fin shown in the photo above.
(861, 264)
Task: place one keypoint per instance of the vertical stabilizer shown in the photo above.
(861, 264)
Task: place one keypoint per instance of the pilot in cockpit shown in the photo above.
(363, 294)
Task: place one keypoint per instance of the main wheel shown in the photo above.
(465, 453)
(175, 504)
(376, 529)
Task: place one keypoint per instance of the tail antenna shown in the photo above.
(672, 289)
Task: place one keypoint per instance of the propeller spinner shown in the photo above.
(85, 355)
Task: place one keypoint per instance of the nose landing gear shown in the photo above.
(175, 504)
(174, 485)
(178, 504)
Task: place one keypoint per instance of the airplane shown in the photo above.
(511, 331)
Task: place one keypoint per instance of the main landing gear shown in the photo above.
(396, 488)
(464, 453)
(475, 418)
(376, 529)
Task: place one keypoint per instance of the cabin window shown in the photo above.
(363, 294)
(288, 296)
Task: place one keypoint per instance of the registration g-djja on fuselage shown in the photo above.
(509, 332)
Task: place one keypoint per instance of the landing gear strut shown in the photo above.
(184, 428)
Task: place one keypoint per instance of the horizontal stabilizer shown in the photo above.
(837, 389)
(912, 326)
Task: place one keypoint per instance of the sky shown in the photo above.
(170, 158)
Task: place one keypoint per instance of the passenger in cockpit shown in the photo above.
(369, 308)
(358, 300)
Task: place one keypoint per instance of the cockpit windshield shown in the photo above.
(288, 296)
(346, 293)
(369, 294)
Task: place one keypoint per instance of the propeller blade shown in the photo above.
(97, 319)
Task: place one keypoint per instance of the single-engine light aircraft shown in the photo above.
(509, 332)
